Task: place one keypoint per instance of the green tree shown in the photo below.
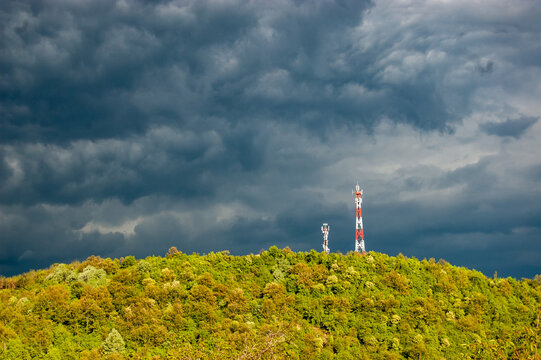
(128, 261)
(62, 274)
(92, 276)
(113, 343)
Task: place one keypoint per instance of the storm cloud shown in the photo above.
(128, 127)
(509, 128)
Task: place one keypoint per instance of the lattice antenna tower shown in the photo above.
(325, 230)
(359, 232)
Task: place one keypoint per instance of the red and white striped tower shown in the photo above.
(325, 230)
(359, 232)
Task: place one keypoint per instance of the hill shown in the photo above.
(274, 305)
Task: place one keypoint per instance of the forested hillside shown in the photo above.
(275, 305)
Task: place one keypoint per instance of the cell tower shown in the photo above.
(359, 232)
(325, 230)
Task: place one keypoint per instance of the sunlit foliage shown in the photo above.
(274, 305)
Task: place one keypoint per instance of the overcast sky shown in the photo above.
(128, 127)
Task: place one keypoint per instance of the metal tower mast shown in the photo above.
(359, 232)
(325, 230)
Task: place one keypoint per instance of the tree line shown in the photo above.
(273, 305)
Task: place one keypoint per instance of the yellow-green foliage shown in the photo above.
(274, 305)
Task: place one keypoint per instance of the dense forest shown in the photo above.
(274, 305)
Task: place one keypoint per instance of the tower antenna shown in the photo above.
(359, 232)
(325, 230)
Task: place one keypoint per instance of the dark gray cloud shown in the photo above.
(128, 126)
(509, 128)
(105, 69)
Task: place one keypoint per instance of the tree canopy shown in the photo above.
(273, 305)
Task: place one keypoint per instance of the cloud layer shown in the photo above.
(127, 127)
